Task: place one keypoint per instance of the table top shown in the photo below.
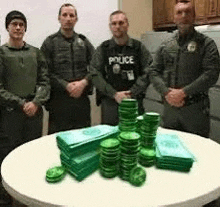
(24, 169)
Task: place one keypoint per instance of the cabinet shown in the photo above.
(200, 8)
(163, 14)
(213, 11)
(207, 12)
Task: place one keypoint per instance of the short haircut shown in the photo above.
(118, 12)
(186, 2)
(182, 1)
(67, 5)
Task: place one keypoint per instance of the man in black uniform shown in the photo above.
(68, 55)
(116, 67)
(184, 68)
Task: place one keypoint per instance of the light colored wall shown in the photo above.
(42, 21)
(139, 13)
(42, 18)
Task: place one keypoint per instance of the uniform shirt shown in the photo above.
(23, 75)
(117, 68)
(67, 58)
(191, 63)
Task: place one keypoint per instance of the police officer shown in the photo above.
(184, 68)
(24, 88)
(116, 67)
(68, 55)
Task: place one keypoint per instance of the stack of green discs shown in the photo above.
(137, 176)
(128, 112)
(147, 156)
(55, 174)
(149, 128)
(130, 144)
(139, 123)
(109, 157)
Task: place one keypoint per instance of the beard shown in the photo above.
(184, 29)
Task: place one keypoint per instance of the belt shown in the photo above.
(196, 98)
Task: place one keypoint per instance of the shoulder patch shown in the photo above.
(137, 44)
(105, 43)
(53, 35)
(82, 37)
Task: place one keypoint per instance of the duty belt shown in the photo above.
(196, 98)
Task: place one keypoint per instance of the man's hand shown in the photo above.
(76, 88)
(176, 97)
(119, 96)
(30, 108)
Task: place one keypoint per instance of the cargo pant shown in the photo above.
(192, 118)
(17, 128)
(109, 111)
(67, 113)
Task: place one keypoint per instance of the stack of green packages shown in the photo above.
(128, 112)
(172, 153)
(109, 157)
(80, 148)
(129, 147)
(148, 131)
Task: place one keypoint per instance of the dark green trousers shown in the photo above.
(66, 113)
(109, 111)
(17, 128)
(192, 118)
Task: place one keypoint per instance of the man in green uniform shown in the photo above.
(68, 55)
(184, 68)
(24, 86)
(116, 67)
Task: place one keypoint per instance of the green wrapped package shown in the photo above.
(172, 153)
(76, 142)
(169, 145)
(85, 135)
(80, 149)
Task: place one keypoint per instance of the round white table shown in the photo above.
(24, 169)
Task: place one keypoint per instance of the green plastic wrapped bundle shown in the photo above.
(80, 141)
(172, 153)
(80, 148)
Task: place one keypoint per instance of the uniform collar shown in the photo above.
(73, 37)
(25, 47)
(129, 43)
(189, 36)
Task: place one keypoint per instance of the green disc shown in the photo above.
(137, 176)
(129, 103)
(140, 118)
(151, 115)
(147, 152)
(110, 143)
(146, 163)
(55, 180)
(55, 172)
(129, 136)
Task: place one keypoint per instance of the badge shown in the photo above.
(116, 68)
(130, 75)
(80, 42)
(192, 46)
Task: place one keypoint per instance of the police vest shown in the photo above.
(122, 68)
(69, 58)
